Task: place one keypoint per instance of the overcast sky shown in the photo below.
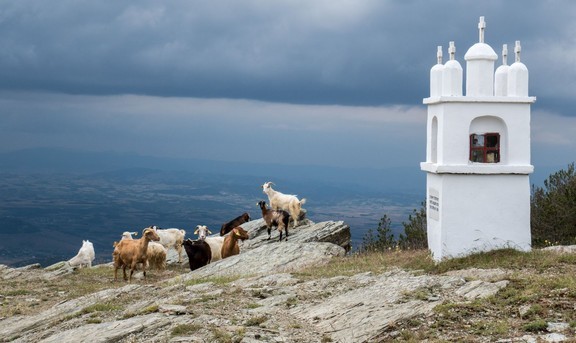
(325, 82)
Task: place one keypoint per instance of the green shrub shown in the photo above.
(553, 209)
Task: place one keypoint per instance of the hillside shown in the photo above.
(305, 289)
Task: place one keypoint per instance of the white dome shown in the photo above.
(501, 80)
(517, 75)
(480, 51)
(518, 79)
(452, 79)
(480, 70)
(436, 80)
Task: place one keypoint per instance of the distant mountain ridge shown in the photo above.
(55, 160)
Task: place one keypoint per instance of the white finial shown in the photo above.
(505, 54)
(452, 50)
(481, 27)
(439, 54)
(517, 50)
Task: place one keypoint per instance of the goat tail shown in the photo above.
(303, 201)
(183, 232)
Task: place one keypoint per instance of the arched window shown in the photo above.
(434, 143)
(488, 137)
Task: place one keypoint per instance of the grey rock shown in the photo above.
(557, 327)
(361, 314)
(20, 325)
(478, 289)
(554, 337)
(307, 231)
(173, 309)
(111, 331)
(281, 257)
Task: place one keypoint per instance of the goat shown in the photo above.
(130, 252)
(278, 218)
(227, 227)
(202, 231)
(230, 246)
(84, 257)
(199, 253)
(214, 242)
(129, 234)
(281, 201)
(171, 238)
(156, 256)
(156, 252)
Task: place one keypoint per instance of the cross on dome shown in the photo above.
(439, 54)
(505, 54)
(452, 50)
(481, 27)
(517, 50)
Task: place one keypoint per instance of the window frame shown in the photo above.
(486, 151)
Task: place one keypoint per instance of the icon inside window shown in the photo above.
(485, 148)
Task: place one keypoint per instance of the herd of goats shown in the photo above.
(150, 250)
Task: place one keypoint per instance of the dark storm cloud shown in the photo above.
(368, 52)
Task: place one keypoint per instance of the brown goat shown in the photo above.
(230, 246)
(241, 219)
(128, 253)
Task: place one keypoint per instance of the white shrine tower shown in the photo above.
(478, 153)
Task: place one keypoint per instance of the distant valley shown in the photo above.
(49, 204)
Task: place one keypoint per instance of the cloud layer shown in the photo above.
(322, 81)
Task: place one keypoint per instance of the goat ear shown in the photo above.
(209, 232)
(196, 232)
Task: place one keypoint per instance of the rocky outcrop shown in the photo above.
(257, 296)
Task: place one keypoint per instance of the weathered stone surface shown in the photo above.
(335, 232)
(360, 315)
(20, 325)
(478, 289)
(279, 257)
(111, 331)
(267, 302)
(307, 231)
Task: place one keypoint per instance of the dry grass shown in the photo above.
(32, 293)
(541, 289)
(542, 283)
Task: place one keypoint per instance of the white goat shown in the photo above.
(128, 234)
(156, 256)
(171, 238)
(281, 201)
(215, 242)
(84, 257)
